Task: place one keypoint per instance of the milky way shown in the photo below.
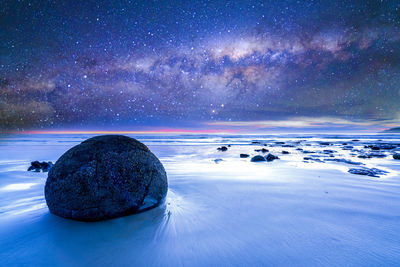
(199, 64)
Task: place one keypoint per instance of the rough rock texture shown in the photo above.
(105, 177)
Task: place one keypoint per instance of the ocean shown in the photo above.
(304, 208)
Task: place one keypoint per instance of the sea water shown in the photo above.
(221, 210)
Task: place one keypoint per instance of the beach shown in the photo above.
(220, 210)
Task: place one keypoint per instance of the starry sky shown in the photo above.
(233, 65)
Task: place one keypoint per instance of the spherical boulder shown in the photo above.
(105, 177)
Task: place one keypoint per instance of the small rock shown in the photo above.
(285, 152)
(36, 164)
(46, 166)
(218, 160)
(382, 146)
(314, 159)
(43, 166)
(373, 172)
(244, 155)
(377, 155)
(257, 158)
(396, 156)
(374, 147)
(263, 150)
(271, 157)
(222, 148)
(287, 145)
(371, 155)
(325, 143)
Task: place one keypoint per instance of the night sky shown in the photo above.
(253, 65)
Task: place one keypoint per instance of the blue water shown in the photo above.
(234, 213)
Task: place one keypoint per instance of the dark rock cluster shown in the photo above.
(381, 146)
(269, 157)
(328, 151)
(43, 166)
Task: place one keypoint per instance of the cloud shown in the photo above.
(25, 115)
(304, 123)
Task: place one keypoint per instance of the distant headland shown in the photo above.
(392, 130)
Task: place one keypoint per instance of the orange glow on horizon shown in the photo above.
(158, 131)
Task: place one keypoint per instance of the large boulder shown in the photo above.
(105, 177)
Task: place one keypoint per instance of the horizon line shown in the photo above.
(159, 131)
(184, 131)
